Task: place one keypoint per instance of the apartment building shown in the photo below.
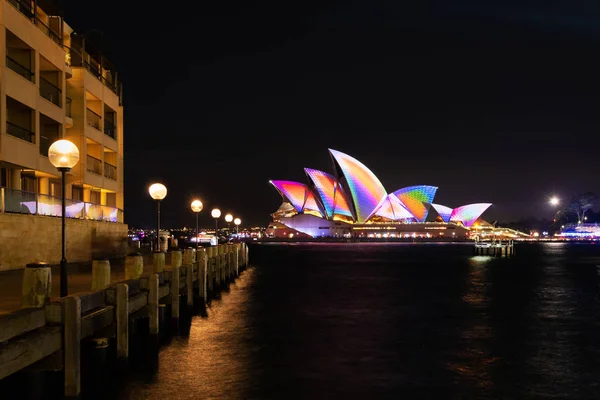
(54, 84)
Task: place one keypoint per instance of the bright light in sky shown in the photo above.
(554, 200)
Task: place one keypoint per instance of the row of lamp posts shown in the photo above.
(64, 155)
(158, 192)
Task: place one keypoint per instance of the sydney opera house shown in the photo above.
(353, 203)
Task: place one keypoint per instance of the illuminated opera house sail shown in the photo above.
(352, 202)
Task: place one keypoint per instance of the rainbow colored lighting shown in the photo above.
(391, 208)
(416, 198)
(469, 213)
(365, 188)
(330, 193)
(294, 192)
(443, 211)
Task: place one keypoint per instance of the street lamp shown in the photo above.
(157, 191)
(63, 154)
(237, 223)
(228, 219)
(197, 206)
(216, 213)
(554, 201)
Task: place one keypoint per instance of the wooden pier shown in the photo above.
(495, 248)
(47, 336)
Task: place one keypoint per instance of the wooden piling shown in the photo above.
(122, 320)
(189, 282)
(189, 256)
(72, 345)
(100, 274)
(134, 266)
(36, 286)
(153, 304)
(176, 259)
(175, 293)
(158, 262)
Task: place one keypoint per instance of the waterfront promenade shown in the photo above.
(80, 280)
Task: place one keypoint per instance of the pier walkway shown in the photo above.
(80, 280)
(47, 333)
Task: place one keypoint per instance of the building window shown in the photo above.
(28, 182)
(55, 189)
(95, 197)
(20, 57)
(77, 192)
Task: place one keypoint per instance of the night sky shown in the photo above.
(493, 102)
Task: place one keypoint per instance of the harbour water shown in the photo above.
(382, 320)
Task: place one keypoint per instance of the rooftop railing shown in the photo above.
(22, 202)
(26, 8)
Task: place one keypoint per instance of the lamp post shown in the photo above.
(216, 213)
(237, 223)
(554, 201)
(197, 206)
(228, 219)
(63, 154)
(157, 191)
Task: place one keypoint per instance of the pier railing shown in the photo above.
(49, 333)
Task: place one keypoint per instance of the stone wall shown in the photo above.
(32, 238)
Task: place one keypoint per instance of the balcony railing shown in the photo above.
(68, 107)
(110, 129)
(20, 132)
(50, 91)
(21, 202)
(110, 171)
(94, 165)
(20, 69)
(93, 119)
(25, 7)
(45, 143)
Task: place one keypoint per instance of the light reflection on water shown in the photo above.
(384, 321)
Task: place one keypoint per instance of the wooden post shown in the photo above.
(236, 260)
(175, 293)
(189, 282)
(122, 320)
(188, 256)
(37, 285)
(100, 274)
(202, 266)
(134, 266)
(158, 262)
(176, 259)
(72, 345)
(153, 304)
(209, 273)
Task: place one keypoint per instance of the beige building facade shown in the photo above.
(54, 85)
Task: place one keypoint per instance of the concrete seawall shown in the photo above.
(25, 239)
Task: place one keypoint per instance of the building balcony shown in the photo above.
(94, 165)
(29, 9)
(93, 119)
(20, 69)
(20, 132)
(22, 202)
(110, 130)
(50, 92)
(110, 171)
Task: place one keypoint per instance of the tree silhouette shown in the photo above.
(579, 205)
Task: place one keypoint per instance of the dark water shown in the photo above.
(386, 321)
